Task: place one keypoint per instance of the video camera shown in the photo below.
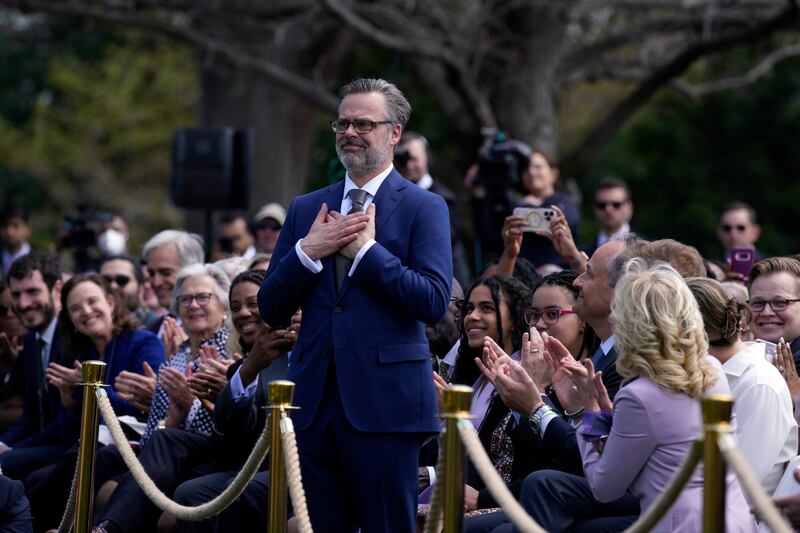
(501, 162)
(79, 234)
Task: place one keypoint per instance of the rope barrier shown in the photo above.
(293, 475)
(761, 501)
(182, 512)
(494, 482)
(68, 520)
(667, 498)
(433, 524)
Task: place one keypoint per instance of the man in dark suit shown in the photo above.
(367, 282)
(613, 209)
(413, 157)
(35, 283)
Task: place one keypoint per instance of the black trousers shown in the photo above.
(562, 502)
(247, 513)
(170, 457)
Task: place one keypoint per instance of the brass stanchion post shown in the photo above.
(457, 401)
(717, 411)
(281, 394)
(93, 373)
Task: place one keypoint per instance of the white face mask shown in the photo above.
(111, 242)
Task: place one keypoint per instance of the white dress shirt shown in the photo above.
(766, 430)
(371, 187)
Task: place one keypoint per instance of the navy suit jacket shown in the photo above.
(372, 329)
(28, 423)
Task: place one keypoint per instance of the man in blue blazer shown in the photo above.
(368, 260)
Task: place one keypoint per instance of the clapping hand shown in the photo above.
(516, 388)
(590, 388)
(172, 336)
(211, 376)
(555, 356)
(784, 361)
(137, 389)
(65, 379)
(176, 384)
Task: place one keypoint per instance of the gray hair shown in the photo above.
(616, 267)
(233, 266)
(188, 245)
(397, 106)
(221, 282)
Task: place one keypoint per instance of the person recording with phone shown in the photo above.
(533, 186)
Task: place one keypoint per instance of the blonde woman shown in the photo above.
(656, 415)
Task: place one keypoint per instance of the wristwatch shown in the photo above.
(538, 415)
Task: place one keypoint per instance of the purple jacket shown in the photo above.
(652, 432)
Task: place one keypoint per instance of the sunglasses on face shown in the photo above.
(548, 316)
(602, 205)
(268, 224)
(727, 228)
(121, 280)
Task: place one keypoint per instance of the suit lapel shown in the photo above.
(387, 200)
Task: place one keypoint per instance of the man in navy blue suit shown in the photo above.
(368, 260)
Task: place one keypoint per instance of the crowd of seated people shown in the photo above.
(586, 364)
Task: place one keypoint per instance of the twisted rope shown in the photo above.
(751, 485)
(656, 512)
(293, 475)
(182, 512)
(433, 524)
(494, 482)
(68, 520)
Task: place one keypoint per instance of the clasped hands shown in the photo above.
(333, 232)
(543, 359)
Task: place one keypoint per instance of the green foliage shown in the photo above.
(684, 160)
(98, 133)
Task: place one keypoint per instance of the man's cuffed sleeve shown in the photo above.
(357, 259)
(313, 266)
(238, 390)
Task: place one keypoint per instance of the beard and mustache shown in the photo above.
(360, 164)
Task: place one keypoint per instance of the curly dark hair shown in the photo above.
(517, 297)
(566, 279)
(255, 277)
(75, 345)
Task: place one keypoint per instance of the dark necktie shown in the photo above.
(597, 358)
(343, 264)
(41, 382)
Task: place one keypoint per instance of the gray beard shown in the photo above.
(363, 164)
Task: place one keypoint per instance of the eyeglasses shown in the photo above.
(121, 280)
(549, 316)
(776, 305)
(274, 225)
(202, 299)
(727, 228)
(361, 126)
(602, 205)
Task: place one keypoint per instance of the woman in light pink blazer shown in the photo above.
(656, 415)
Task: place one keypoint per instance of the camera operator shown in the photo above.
(510, 174)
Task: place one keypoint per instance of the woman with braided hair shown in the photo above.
(766, 431)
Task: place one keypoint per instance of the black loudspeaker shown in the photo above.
(211, 168)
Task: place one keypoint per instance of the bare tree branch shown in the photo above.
(764, 67)
(170, 25)
(579, 159)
